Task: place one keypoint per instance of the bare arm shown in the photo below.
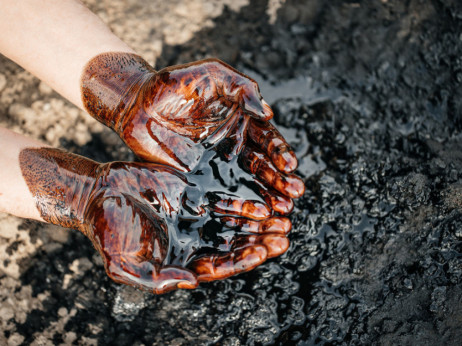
(15, 197)
(54, 39)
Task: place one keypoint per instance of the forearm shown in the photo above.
(54, 40)
(15, 196)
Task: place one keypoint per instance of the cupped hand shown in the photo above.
(155, 227)
(175, 115)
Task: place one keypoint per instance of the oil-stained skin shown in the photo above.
(175, 115)
(157, 228)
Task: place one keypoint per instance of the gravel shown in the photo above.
(368, 93)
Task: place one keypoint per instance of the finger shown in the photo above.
(257, 163)
(218, 267)
(254, 105)
(231, 205)
(151, 277)
(276, 224)
(170, 278)
(276, 244)
(270, 140)
(278, 202)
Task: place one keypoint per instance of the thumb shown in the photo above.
(253, 104)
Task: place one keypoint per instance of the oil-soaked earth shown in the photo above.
(369, 94)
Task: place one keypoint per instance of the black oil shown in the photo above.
(375, 254)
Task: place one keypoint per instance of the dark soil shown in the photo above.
(369, 94)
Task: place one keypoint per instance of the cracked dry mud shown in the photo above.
(368, 93)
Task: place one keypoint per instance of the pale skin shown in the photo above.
(15, 197)
(53, 50)
(56, 40)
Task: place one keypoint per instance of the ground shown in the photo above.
(369, 95)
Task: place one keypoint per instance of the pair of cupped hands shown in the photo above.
(211, 196)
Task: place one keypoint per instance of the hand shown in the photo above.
(176, 114)
(155, 228)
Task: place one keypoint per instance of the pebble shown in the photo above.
(62, 312)
(69, 338)
(15, 339)
(6, 313)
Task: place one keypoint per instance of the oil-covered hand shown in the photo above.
(176, 114)
(155, 227)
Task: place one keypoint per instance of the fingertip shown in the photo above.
(296, 187)
(290, 185)
(285, 161)
(187, 285)
(170, 286)
(282, 206)
(276, 244)
(258, 109)
(267, 113)
(170, 278)
(277, 225)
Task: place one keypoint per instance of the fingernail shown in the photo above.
(283, 206)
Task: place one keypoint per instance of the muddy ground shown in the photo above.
(369, 94)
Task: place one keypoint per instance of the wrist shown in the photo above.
(60, 184)
(110, 83)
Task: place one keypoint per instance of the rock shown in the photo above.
(6, 312)
(15, 339)
(69, 338)
(127, 304)
(56, 233)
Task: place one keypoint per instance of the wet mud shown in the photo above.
(368, 94)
